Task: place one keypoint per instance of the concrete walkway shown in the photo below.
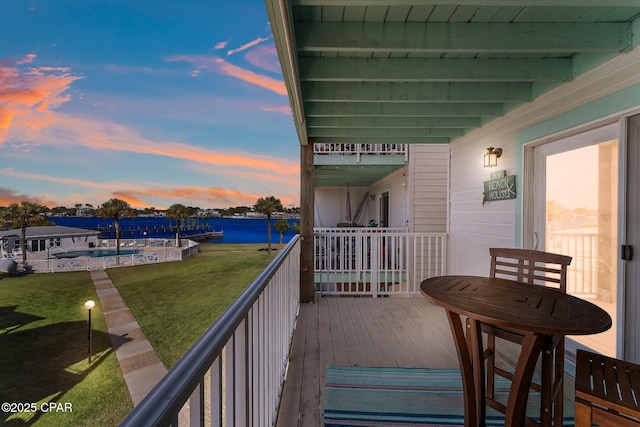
(141, 368)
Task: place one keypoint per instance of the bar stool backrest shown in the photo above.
(530, 266)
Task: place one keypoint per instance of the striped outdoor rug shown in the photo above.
(405, 397)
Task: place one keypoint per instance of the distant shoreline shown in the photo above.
(247, 230)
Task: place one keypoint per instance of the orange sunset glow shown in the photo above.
(174, 126)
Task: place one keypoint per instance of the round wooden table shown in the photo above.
(535, 311)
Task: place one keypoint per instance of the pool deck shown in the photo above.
(42, 255)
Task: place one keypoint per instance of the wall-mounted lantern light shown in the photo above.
(491, 157)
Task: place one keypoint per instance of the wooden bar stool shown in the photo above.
(541, 268)
(607, 391)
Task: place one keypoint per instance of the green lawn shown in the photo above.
(44, 349)
(174, 303)
(43, 330)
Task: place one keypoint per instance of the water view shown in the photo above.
(245, 230)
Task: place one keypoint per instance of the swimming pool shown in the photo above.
(95, 253)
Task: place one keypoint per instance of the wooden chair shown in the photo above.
(535, 267)
(607, 391)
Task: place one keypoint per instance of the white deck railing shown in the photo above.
(234, 374)
(376, 261)
(582, 273)
(361, 149)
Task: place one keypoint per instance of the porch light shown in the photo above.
(491, 157)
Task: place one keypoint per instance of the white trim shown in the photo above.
(534, 152)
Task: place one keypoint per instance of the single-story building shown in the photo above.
(54, 238)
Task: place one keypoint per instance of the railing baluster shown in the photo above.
(582, 274)
(196, 406)
(245, 354)
(229, 382)
(240, 368)
(376, 261)
(216, 393)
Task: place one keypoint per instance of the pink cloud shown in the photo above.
(8, 196)
(247, 45)
(119, 138)
(31, 94)
(266, 82)
(217, 64)
(28, 58)
(283, 109)
(136, 194)
(265, 57)
(59, 180)
(76, 131)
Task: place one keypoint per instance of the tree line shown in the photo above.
(28, 214)
(89, 210)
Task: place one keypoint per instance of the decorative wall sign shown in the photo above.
(498, 174)
(499, 188)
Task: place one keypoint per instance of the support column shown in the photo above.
(307, 194)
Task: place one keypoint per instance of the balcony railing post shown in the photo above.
(243, 391)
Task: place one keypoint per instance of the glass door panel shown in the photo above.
(581, 220)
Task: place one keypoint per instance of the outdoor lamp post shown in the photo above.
(89, 305)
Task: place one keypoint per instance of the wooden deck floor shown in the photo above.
(376, 332)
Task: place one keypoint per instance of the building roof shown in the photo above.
(50, 231)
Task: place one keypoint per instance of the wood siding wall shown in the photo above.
(475, 228)
(428, 187)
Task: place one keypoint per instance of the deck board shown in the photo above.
(377, 332)
(359, 332)
(311, 378)
(388, 338)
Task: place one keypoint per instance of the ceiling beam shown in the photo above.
(392, 133)
(382, 140)
(416, 92)
(436, 69)
(516, 3)
(394, 122)
(463, 37)
(343, 109)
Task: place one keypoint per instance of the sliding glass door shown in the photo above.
(575, 212)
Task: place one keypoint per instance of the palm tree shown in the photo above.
(116, 209)
(22, 216)
(296, 227)
(282, 225)
(267, 206)
(180, 212)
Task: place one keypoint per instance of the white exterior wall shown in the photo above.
(428, 187)
(79, 242)
(474, 228)
(68, 243)
(396, 185)
(330, 205)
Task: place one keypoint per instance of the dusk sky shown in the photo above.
(153, 102)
